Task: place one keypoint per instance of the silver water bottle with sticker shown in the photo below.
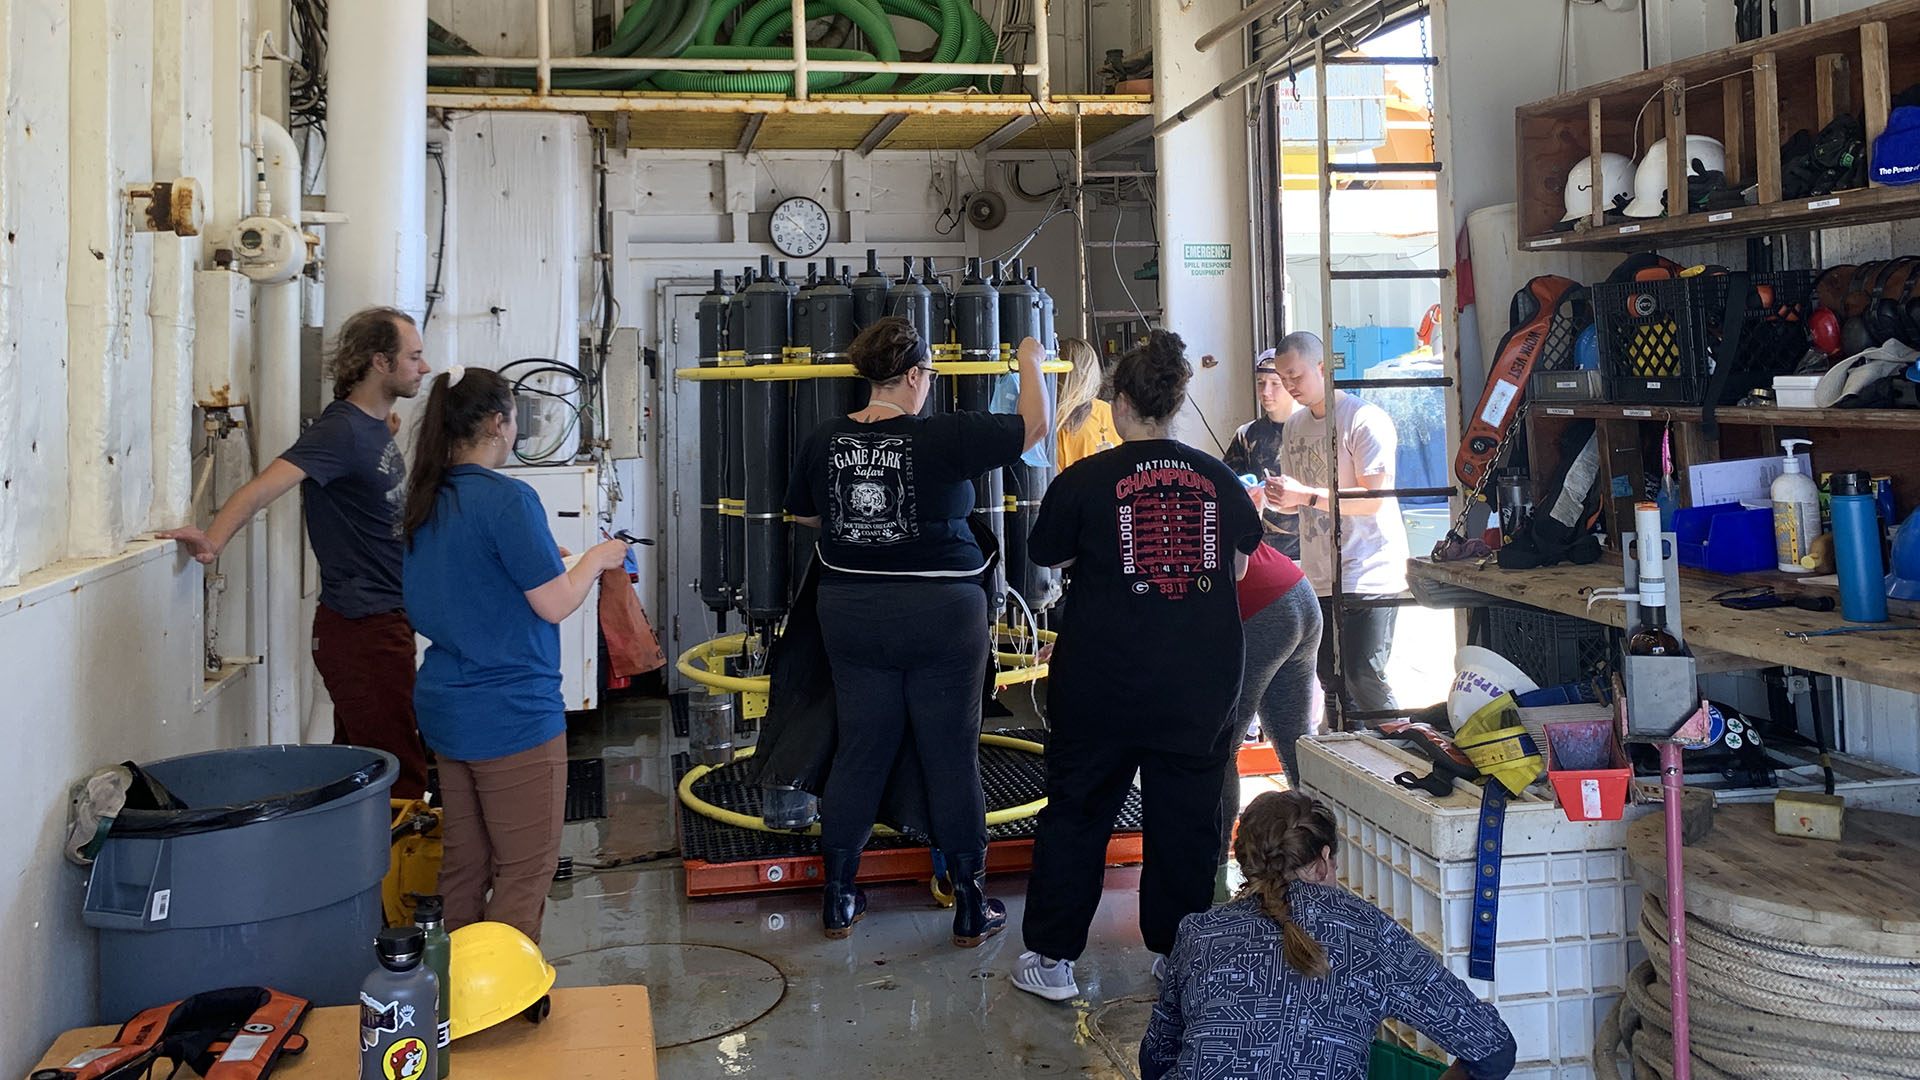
(399, 1010)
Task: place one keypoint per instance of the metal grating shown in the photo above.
(1009, 777)
(586, 789)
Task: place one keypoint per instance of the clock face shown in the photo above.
(799, 227)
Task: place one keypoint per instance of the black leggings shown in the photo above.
(909, 662)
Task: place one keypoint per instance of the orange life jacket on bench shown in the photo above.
(233, 1034)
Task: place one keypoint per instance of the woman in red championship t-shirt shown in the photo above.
(1280, 619)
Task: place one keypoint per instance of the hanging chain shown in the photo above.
(125, 314)
(1426, 50)
(1457, 532)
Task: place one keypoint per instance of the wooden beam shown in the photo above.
(1008, 132)
(1677, 163)
(751, 132)
(1597, 192)
(879, 132)
(1733, 128)
(1875, 79)
(1766, 126)
(1832, 90)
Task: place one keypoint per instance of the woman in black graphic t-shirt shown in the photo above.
(902, 610)
(1153, 534)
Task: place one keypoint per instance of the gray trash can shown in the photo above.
(271, 877)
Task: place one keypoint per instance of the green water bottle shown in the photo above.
(429, 914)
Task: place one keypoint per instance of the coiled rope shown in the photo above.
(1766, 1008)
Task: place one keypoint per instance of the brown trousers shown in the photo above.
(368, 667)
(501, 827)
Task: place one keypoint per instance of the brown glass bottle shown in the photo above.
(1652, 639)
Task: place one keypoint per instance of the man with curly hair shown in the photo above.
(352, 481)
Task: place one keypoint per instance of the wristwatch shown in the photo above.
(1313, 501)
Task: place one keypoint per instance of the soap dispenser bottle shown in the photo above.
(1796, 511)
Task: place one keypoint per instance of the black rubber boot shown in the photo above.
(842, 903)
(975, 917)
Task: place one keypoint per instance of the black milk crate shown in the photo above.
(1551, 648)
(1659, 339)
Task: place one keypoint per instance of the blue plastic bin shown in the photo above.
(271, 877)
(1725, 538)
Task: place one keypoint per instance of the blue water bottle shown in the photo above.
(1856, 548)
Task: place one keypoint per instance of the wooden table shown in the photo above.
(594, 1033)
(1862, 893)
(1891, 660)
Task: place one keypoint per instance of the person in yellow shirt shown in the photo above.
(1084, 424)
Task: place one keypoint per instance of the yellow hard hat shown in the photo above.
(1499, 747)
(497, 972)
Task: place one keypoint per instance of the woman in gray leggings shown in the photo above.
(1280, 619)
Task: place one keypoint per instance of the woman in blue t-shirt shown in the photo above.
(902, 611)
(485, 584)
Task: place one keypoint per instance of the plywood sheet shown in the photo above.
(593, 1033)
(785, 131)
(1861, 893)
(936, 132)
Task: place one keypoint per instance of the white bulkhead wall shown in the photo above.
(101, 636)
(1204, 206)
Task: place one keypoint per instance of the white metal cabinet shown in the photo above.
(571, 496)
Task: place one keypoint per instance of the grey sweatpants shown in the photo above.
(1282, 642)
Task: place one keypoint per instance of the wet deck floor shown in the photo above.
(748, 986)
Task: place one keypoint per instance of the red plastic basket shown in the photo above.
(1589, 794)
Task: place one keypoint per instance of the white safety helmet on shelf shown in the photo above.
(1650, 177)
(1616, 179)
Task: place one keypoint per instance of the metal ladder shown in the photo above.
(1093, 318)
(1339, 719)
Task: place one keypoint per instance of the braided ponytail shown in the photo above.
(1281, 834)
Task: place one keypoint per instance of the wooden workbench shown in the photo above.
(594, 1033)
(1891, 660)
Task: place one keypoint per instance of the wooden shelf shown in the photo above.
(655, 120)
(1752, 416)
(1752, 97)
(1891, 660)
(1860, 206)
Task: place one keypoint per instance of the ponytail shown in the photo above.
(1083, 385)
(455, 410)
(1281, 834)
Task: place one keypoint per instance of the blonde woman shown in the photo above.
(1084, 424)
(1289, 981)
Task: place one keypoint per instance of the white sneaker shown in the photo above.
(1159, 968)
(1050, 979)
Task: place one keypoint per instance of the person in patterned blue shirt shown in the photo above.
(1234, 1006)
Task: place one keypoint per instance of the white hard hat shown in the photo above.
(1616, 178)
(1483, 676)
(1650, 177)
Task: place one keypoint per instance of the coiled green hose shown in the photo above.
(753, 82)
(691, 28)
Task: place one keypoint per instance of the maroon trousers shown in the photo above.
(368, 667)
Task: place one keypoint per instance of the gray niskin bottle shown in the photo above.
(429, 914)
(398, 1010)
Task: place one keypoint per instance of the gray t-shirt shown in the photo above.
(1373, 552)
(354, 493)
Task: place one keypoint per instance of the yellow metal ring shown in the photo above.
(747, 821)
(702, 663)
(788, 372)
